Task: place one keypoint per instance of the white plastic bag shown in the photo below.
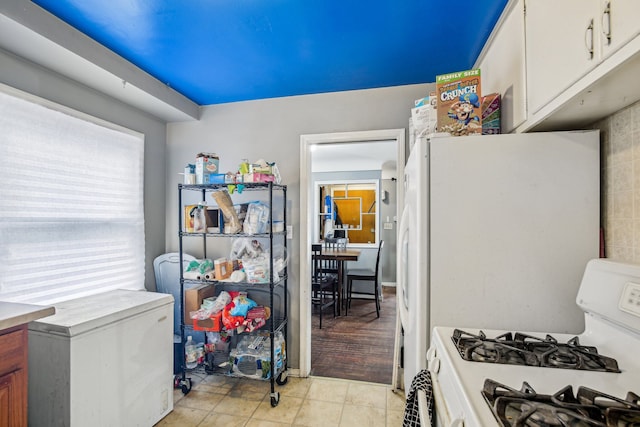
(257, 219)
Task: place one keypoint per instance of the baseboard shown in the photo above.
(293, 373)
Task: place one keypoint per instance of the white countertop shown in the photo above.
(14, 314)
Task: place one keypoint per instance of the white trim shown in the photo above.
(306, 206)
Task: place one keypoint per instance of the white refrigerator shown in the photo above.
(496, 233)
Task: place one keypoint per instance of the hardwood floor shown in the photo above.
(358, 346)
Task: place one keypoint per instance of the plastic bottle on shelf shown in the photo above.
(191, 353)
(200, 353)
(280, 352)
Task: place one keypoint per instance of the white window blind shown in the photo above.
(71, 203)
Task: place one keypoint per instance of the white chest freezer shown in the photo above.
(103, 360)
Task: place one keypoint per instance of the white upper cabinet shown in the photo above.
(502, 64)
(562, 64)
(562, 46)
(582, 57)
(620, 22)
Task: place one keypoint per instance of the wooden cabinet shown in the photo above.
(13, 377)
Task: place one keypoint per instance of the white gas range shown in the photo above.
(609, 295)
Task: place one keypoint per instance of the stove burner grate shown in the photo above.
(523, 349)
(588, 407)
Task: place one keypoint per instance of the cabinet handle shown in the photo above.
(606, 22)
(588, 39)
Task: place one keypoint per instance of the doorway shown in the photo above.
(307, 209)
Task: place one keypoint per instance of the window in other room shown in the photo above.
(348, 208)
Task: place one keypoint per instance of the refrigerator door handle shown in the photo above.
(402, 260)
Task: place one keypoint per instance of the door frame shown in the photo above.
(306, 210)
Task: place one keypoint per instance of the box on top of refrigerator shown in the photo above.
(491, 114)
(424, 115)
(459, 103)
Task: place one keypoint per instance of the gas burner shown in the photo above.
(525, 407)
(522, 349)
(502, 349)
(571, 355)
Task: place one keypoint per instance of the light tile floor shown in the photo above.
(234, 402)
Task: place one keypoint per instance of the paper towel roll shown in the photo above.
(210, 276)
(192, 275)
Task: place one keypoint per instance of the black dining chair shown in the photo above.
(331, 266)
(324, 286)
(367, 275)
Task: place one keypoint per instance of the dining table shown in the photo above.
(341, 255)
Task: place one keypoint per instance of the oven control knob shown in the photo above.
(434, 365)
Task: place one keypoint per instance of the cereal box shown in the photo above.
(459, 103)
(491, 114)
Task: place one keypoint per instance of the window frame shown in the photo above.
(317, 208)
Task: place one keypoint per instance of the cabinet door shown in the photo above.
(13, 402)
(503, 67)
(619, 23)
(562, 46)
(5, 399)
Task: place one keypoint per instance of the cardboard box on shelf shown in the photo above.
(260, 167)
(188, 218)
(193, 298)
(258, 177)
(213, 323)
(459, 103)
(206, 164)
(223, 268)
(216, 178)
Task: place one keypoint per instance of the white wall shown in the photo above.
(271, 129)
(28, 77)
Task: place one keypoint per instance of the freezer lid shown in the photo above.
(81, 315)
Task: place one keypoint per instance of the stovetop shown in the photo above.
(462, 381)
(522, 349)
(601, 364)
(587, 407)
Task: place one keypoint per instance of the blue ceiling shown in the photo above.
(218, 51)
